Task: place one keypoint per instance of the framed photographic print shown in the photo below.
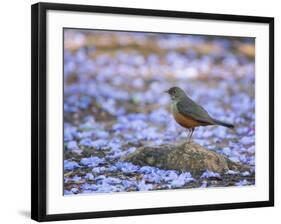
(139, 111)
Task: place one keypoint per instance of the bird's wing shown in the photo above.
(191, 109)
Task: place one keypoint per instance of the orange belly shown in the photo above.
(187, 122)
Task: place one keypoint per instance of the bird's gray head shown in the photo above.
(176, 93)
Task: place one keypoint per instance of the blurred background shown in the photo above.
(114, 102)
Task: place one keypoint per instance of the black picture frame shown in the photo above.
(39, 122)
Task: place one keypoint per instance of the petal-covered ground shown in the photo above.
(114, 102)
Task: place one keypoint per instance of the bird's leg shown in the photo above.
(188, 134)
(191, 133)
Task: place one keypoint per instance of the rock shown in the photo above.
(185, 157)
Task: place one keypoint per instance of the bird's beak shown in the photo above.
(166, 91)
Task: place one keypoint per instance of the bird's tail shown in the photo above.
(223, 123)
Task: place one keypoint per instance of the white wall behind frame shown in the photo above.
(15, 96)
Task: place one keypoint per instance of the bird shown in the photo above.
(189, 114)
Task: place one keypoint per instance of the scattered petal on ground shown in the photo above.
(92, 161)
(70, 165)
(209, 174)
